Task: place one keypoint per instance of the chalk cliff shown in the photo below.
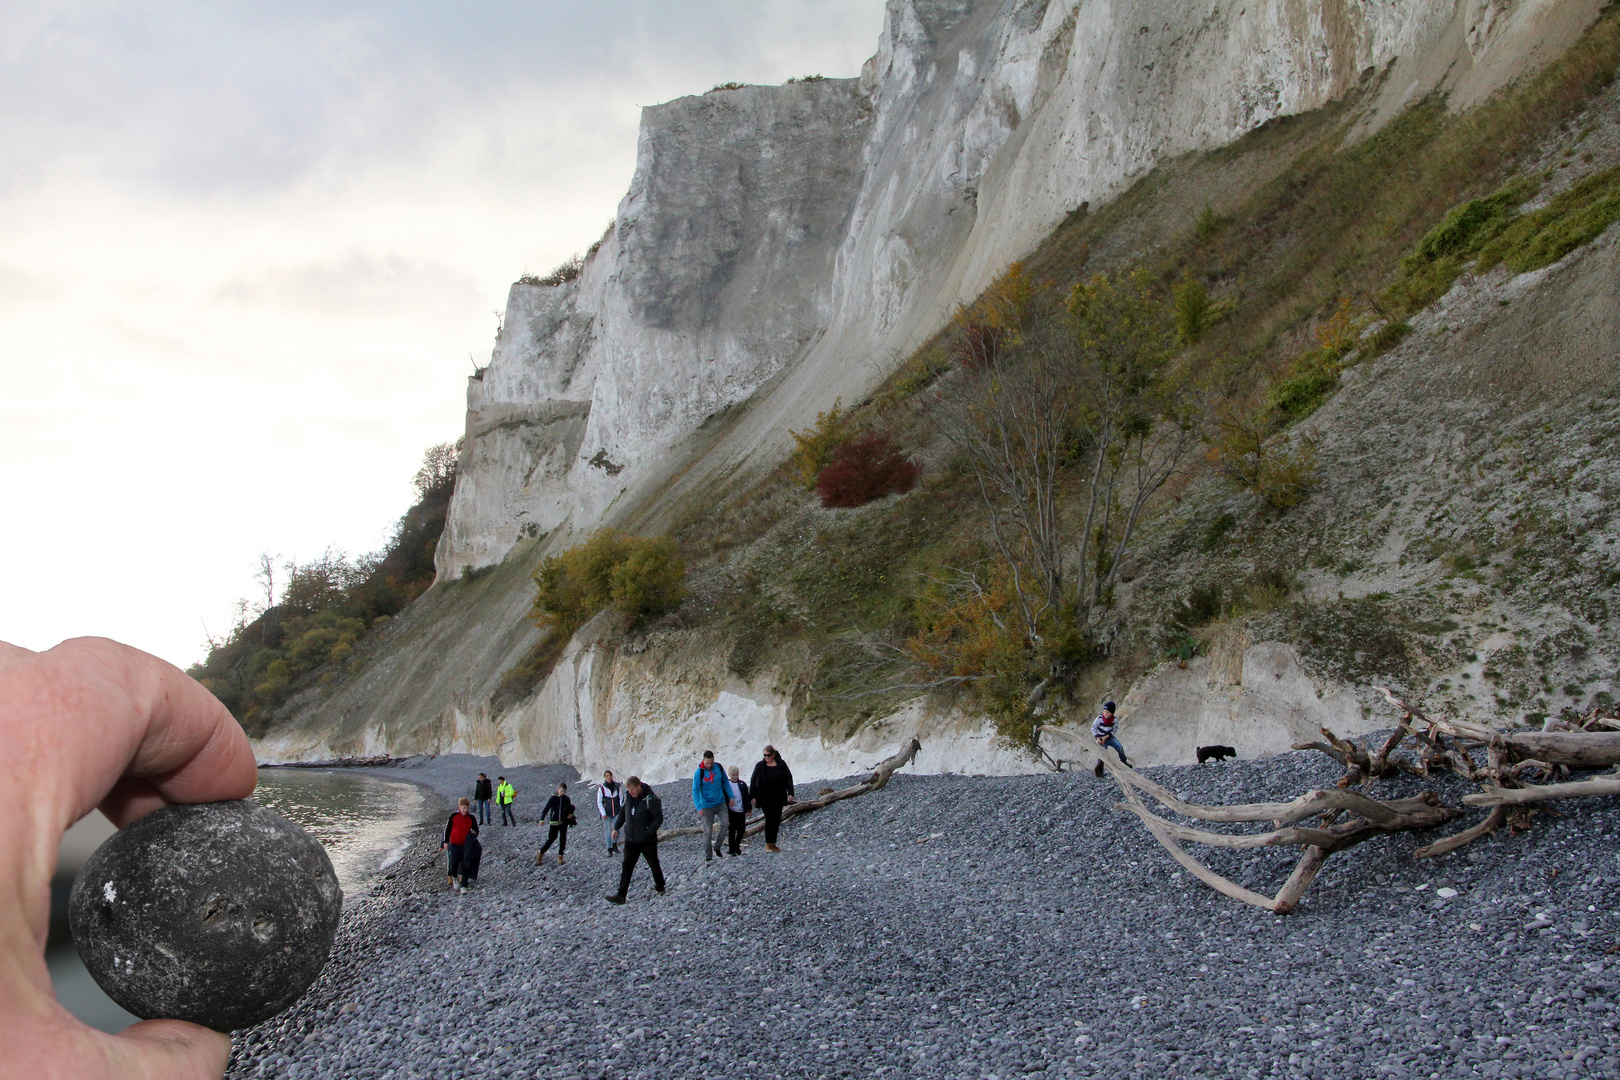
(781, 248)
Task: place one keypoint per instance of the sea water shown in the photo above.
(363, 821)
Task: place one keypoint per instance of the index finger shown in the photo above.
(97, 722)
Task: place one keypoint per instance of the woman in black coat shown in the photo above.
(771, 788)
(559, 814)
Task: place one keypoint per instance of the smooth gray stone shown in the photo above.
(218, 913)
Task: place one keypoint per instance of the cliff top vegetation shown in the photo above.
(311, 617)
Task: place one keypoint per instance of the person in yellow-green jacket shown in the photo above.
(504, 794)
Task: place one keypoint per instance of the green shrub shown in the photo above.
(1279, 471)
(1470, 226)
(1303, 392)
(1490, 231)
(640, 578)
(919, 372)
(650, 582)
(1544, 236)
(1208, 225)
(1193, 311)
(567, 270)
(1447, 249)
(1217, 531)
(1203, 606)
(1386, 337)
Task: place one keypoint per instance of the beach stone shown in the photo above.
(218, 913)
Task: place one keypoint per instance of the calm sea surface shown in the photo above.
(363, 822)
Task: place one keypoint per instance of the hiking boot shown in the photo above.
(559, 858)
(614, 898)
(659, 889)
(540, 859)
(1099, 770)
(772, 847)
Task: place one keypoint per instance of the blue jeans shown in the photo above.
(1113, 741)
(483, 811)
(508, 815)
(607, 831)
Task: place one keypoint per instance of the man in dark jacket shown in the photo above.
(637, 826)
(483, 791)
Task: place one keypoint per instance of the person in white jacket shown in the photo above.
(609, 801)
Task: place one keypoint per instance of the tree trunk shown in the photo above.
(875, 780)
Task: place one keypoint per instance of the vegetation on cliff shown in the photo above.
(638, 578)
(307, 631)
(1004, 591)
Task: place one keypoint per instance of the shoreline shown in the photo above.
(964, 927)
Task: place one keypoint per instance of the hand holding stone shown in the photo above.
(91, 723)
(219, 913)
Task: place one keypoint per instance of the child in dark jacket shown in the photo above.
(461, 827)
(559, 814)
(738, 809)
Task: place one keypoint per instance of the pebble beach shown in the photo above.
(972, 927)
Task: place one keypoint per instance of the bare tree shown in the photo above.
(1091, 385)
(266, 577)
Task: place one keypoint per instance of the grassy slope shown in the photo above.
(1305, 221)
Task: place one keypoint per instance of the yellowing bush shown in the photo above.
(813, 449)
(641, 578)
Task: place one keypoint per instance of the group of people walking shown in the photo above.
(503, 794)
(631, 814)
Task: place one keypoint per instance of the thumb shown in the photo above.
(168, 1050)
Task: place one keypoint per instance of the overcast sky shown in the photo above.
(246, 251)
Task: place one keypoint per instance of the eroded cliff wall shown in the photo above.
(780, 248)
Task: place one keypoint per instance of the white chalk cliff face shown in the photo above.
(780, 247)
(783, 247)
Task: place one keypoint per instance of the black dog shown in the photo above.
(1215, 753)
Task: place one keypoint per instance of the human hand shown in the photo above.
(93, 723)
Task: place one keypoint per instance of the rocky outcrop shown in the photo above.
(715, 275)
(780, 248)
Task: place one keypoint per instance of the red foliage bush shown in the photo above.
(976, 344)
(866, 467)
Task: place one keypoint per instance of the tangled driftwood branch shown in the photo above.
(1350, 817)
(1367, 818)
(875, 780)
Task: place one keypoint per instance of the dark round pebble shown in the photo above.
(218, 913)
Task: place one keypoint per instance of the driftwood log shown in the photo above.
(1348, 817)
(1367, 818)
(878, 777)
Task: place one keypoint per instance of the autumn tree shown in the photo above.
(438, 472)
(1068, 428)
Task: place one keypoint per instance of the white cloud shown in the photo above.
(249, 249)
